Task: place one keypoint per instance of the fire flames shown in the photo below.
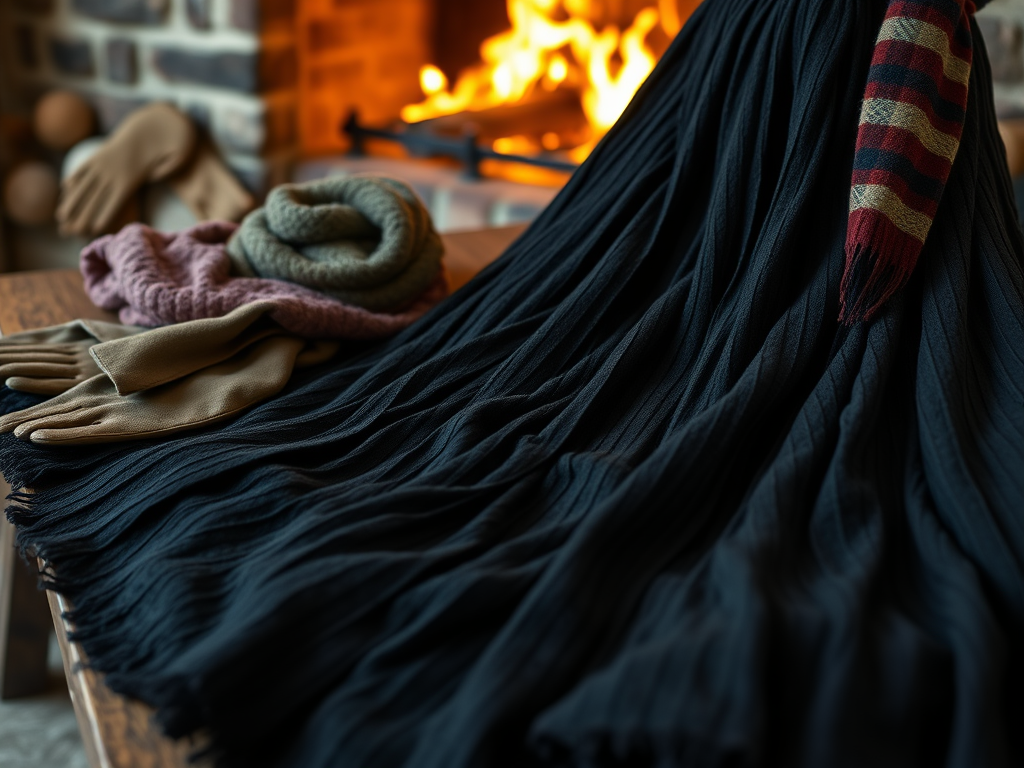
(553, 45)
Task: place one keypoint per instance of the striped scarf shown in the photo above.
(910, 128)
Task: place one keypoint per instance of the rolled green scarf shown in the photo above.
(365, 240)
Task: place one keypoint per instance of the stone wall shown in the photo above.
(266, 77)
(231, 64)
(1002, 25)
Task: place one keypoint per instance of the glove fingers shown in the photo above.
(40, 370)
(49, 387)
(11, 421)
(43, 353)
(56, 423)
(90, 434)
(86, 395)
(66, 333)
(56, 407)
(88, 425)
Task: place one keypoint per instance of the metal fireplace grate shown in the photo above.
(421, 140)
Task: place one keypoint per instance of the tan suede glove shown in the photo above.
(149, 145)
(52, 360)
(172, 352)
(93, 412)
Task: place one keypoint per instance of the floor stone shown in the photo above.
(41, 731)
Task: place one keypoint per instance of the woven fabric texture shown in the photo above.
(911, 122)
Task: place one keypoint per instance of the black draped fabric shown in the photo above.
(633, 497)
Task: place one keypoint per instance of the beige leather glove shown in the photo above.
(52, 360)
(171, 352)
(93, 412)
(149, 145)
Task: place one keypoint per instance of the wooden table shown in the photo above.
(118, 732)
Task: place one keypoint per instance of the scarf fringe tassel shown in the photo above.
(879, 261)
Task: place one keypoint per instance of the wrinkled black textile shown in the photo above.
(632, 497)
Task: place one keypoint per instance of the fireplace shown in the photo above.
(273, 80)
(557, 75)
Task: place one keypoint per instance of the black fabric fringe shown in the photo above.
(632, 497)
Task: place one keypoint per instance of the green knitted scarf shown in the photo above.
(365, 240)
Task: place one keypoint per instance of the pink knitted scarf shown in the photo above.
(153, 278)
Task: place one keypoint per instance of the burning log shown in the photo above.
(544, 112)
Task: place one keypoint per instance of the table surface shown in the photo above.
(118, 732)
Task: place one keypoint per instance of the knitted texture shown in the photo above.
(152, 278)
(365, 240)
(911, 121)
(631, 497)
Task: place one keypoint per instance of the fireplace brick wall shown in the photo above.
(358, 54)
(231, 64)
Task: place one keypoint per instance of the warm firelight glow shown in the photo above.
(514, 145)
(670, 21)
(607, 95)
(432, 80)
(558, 70)
(551, 45)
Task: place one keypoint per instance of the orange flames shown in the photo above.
(552, 45)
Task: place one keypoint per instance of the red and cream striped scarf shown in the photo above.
(910, 128)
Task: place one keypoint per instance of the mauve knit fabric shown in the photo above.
(632, 497)
(153, 278)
